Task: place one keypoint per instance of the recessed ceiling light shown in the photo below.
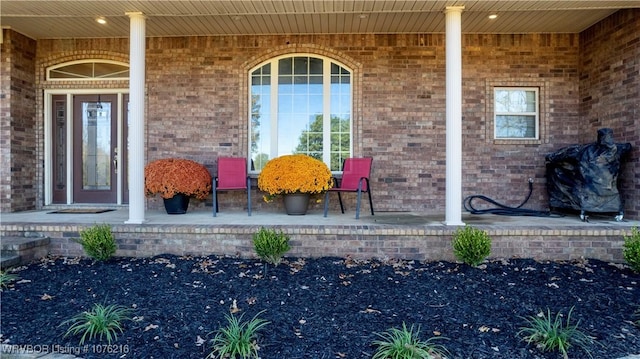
(493, 16)
(363, 16)
(101, 20)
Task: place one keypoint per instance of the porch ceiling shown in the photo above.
(76, 18)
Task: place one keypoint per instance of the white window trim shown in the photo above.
(327, 61)
(536, 114)
(90, 78)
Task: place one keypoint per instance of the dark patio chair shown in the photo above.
(355, 178)
(232, 176)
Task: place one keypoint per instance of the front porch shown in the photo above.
(405, 235)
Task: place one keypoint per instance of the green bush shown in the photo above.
(631, 249)
(6, 279)
(98, 242)
(101, 321)
(238, 339)
(271, 245)
(406, 344)
(471, 245)
(550, 334)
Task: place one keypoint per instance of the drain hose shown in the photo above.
(503, 210)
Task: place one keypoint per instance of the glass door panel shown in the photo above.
(59, 148)
(96, 146)
(123, 168)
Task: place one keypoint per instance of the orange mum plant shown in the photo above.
(294, 174)
(170, 176)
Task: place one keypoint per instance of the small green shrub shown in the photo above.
(631, 249)
(270, 245)
(471, 245)
(98, 242)
(101, 321)
(238, 339)
(550, 334)
(6, 279)
(405, 343)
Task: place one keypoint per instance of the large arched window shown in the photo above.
(300, 104)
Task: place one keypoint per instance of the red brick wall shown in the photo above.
(18, 135)
(500, 169)
(610, 92)
(196, 94)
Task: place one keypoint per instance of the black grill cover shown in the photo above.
(585, 177)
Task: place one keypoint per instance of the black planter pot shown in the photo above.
(177, 204)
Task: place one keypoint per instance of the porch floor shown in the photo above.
(315, 218)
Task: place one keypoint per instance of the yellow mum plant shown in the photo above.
(294, 174)
(171, 176)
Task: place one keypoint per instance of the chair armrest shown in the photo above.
(366, 179)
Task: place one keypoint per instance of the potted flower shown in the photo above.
(295, 177)
(176, 180)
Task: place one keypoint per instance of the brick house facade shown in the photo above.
(196, 91)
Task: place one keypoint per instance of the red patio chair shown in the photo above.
(355, 178)
(232, 176)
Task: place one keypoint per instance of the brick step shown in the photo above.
(8, 261)
(25, 249)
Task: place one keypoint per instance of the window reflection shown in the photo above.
(516, 113)
(96, 146)
(312, 113)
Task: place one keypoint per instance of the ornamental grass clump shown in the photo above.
(98, 242)
(471, 245)
(405, 343)
(6, 279)
(270, 245)
(631, 249)
(101, 321)
(552, 333)
(170, 176)
(294, 174)
(238, 339)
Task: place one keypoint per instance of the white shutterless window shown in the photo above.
(300, 104)
(516, 113)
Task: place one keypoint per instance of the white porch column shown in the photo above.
(137, 47)
(453, 34)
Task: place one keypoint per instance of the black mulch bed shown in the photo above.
(323, 308)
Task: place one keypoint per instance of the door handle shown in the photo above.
(115, 159)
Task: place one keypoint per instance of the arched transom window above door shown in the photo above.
(300, 103)
(89, 70)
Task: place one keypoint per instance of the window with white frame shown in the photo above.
(300, 104)
(516, 113)
(89, 70)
